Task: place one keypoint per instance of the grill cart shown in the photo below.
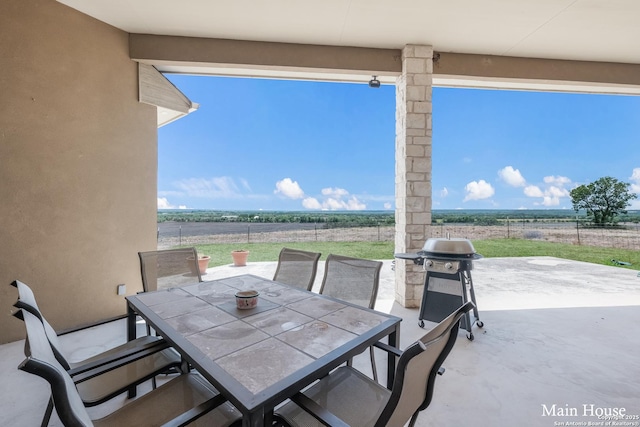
(448, 264)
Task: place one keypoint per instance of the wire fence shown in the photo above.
(625, 236)
(621, 237)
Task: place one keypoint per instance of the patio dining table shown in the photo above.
(257, 358)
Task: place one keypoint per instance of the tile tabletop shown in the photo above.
(288, 331)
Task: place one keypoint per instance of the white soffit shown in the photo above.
(166, 115)
(155, 89)
(585, 30)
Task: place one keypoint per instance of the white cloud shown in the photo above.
(352, 204)
(163, 203)
(312, 203)
(217, 187)
(387, 205)
(552, 194)
(444, 192)
(245, 184)
(332, 204)
(335, 200)
(335, 192)
(533, 191)
(635, 182)
(558, 192)
(478, 190)
(512, 176)
(289, 189)
(550, 201)
(559, 181)
(355, 205)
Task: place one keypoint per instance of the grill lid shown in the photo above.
(449, 248)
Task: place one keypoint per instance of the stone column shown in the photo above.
(413, 168)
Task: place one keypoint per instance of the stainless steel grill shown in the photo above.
(448, 284)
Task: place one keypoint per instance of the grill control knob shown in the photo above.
(448, 266)
(428, 263)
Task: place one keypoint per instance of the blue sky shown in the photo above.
(296, 145)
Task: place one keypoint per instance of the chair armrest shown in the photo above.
(388, 348)
(106, 364)
(317, 411)
(197, 412)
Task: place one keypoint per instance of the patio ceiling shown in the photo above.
(585, 30)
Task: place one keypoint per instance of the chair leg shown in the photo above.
(413, 419)
(373, 364)
(47, 413)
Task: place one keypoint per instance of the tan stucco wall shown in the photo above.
(78, 165)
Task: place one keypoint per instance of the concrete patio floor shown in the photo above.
(558, 346)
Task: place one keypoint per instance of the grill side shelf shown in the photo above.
(412, 256)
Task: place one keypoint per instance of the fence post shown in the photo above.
(508, 228)
(180, 234)
(249, 233)
(578, 229)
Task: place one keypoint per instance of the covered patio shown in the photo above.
(78, 150)
(83, 97)
(557, 335)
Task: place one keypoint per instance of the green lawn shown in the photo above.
(221, 253)
(521, 248)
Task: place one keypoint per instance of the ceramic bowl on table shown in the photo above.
(246, 299)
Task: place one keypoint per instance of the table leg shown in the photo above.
(131, 324)
(268, 418)
(254, 419)
(131, 335)
(394, 341)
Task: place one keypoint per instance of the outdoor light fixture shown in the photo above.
(374, 82)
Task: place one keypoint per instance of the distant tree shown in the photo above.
(603, 199)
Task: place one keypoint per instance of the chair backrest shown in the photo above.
(297, 268)
(353, 280)
(27, 302)
(169, 268)
(417, 369)
(43, 363)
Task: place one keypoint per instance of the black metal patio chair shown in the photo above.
(346, 397)
(169, 268)
(354, 280)
(108, 374)
(186, 399)
(297, 268)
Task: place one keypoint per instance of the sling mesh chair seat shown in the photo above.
(354, 280)
(108, 374)
(186, 399)
(169, 268)
(297, 268)
(346, 397)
